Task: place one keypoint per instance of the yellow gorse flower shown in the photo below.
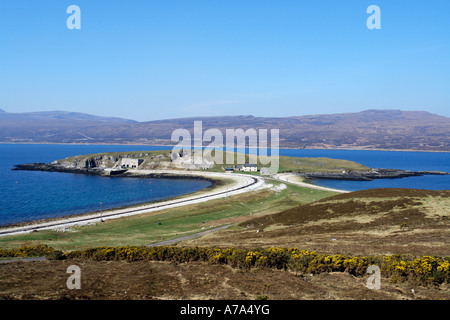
(424, 269)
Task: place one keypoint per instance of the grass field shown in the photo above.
(174, 223)
(160, 159)
(171, 223)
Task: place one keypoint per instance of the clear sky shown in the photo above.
(159, 59)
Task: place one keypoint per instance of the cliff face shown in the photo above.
(150, 161)
(100, 162)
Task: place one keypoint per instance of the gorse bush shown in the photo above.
(28, 251)
(426, 269)
(423, 270)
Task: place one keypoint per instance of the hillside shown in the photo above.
(370, 129)
(404, 232)
(53, 126)
(58, 115)
(368, 222)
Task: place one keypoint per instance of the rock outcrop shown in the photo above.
(369, 175)
(109, 164)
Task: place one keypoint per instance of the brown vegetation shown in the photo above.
(369, 222)
(319, 250)
(196, 280)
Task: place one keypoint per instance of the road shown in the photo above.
(242, 183)
(294, 179)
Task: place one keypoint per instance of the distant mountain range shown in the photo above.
(370, 129)
(57, 115)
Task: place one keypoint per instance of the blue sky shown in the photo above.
(159, 59)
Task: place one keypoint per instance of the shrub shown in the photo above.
(423, 270)
(27, 251)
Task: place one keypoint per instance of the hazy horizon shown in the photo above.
(212, 116)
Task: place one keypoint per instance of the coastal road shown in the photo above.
(241, 183)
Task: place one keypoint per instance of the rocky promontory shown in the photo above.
(118, 163)
(49, 167)
(92, 169)
(368, 175)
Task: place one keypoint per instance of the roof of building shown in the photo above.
(250, 165)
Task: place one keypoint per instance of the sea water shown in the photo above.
(405, 160)
(33, 195)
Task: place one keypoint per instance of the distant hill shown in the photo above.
(370, 129)
(59, 115)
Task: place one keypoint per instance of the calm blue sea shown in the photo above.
(416, 161)
(31, 195)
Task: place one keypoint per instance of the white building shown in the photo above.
(130, 162)
(247, 167)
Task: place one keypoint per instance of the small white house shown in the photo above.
(130, 162)
(247, 167)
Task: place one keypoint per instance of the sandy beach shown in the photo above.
(295, 179)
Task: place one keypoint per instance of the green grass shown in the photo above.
(286, 164)
(169, 223)
(294, 164)
(148, 154)
(176, 222)
(318, 165)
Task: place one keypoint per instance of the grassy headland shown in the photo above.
(326, 241)
(172, 223)
(214, 161)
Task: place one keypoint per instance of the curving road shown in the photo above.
(293, 179)
(242, 183)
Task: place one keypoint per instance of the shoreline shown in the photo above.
(214, 184)
(242, 183)
(216, 179)
(296, 180)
